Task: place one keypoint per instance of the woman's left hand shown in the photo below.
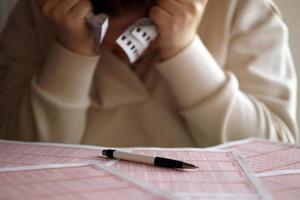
(177, 22)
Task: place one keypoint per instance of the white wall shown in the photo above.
(291, 13)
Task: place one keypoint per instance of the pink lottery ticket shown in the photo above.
(283, 184)
(221, 175)
(62, 182)
(14, 154)
(263, 155)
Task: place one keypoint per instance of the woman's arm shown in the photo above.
(258, 96)
(28, 110)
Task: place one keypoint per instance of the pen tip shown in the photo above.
(189, 166)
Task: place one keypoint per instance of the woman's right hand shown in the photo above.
(68, 19)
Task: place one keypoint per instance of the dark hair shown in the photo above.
(121, 7)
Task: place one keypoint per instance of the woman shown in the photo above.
(223, 72)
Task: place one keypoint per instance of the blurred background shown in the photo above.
(289, 8)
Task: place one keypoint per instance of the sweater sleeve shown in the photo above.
(255, 94)
(31, 109)
(60, 95)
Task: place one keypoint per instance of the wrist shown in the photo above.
(169, 52)
(67, 75)
(82, 49)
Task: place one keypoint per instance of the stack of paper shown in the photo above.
(263, 155)
(283, 184)
(84, 180)
(276, 164)
(14, 154)
(221, 175)
(55, 171)
(79, 181)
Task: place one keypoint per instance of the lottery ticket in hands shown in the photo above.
(98, 25)
(137, 38)
(134, 41)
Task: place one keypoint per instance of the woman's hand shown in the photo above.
(177, 22)
(67, 18)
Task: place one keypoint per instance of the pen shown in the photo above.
(157, 161)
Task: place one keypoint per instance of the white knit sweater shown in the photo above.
(235, 80)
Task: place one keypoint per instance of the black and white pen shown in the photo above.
(157, 161)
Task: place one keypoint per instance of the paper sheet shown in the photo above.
(221, 175)
(14, 154)
(283, 184)
(137, 38)
(263, 155)
(62, 182)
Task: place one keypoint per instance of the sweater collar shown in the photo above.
(115, 84)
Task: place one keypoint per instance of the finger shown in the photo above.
(49, 6)
(194, 7)
(81, 10)
(64, 7)
(171, 6)
(191, 1)
(161, 18)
